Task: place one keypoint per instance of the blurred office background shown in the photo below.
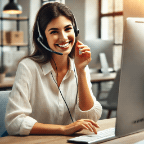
(96, 19)
(101, 24)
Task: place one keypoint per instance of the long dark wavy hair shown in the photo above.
(45, 15)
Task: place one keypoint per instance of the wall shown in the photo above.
(91, 19)
(34, 7)
(25, 13)
(86, 14)
(133, 8)
(78, 9)
(6, 26)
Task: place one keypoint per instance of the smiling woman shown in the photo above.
(46, 14)
(60, 35)
(52, 91)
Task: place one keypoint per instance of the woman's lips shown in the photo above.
(63, 45)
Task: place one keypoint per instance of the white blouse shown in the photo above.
(35, 97)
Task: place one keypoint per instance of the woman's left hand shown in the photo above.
(81, 60)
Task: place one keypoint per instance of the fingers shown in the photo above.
(87, 54)
(79, 42)
(89, 125)
(76, 49)
(85, 51)
(94, 123)
(80, 125)
(83, 48)
(85, 127)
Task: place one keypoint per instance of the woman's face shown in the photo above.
(60, 35)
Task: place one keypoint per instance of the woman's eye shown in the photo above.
(67, 29)
(53, 32)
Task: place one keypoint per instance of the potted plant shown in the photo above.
(3, 70)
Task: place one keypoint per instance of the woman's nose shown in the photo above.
(63, 36)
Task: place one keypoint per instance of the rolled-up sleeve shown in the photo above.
(17, 119)
(95, 112)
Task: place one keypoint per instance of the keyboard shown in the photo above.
(101, 136)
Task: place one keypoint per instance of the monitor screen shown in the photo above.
(98, 46)
(130, 110)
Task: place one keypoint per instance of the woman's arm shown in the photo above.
(40, 128)
(79, 125)
(17, 119)
(81, 60)
(85, 99)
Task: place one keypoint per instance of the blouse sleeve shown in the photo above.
(17, 119)
(95, 112)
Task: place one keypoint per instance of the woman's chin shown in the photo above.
(65, 51)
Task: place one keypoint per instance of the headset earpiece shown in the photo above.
(76, 31)
(40, 37)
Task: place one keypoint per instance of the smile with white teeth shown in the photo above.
(65, 45)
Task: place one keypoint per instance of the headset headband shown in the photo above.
(40, 37)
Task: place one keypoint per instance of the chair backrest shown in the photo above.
(113, 94)
(4, 95)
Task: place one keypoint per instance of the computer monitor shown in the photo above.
(130, 110)
(98, 46)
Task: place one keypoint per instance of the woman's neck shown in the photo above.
(60, 63)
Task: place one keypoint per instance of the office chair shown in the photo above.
(110, 103)
(3, 102)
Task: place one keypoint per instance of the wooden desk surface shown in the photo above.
(8, 82)
(95, 77)
(57, 139)
(100, 77)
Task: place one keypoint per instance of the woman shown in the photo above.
(52, 92)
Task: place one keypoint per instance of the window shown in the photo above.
(45, 1)
(111, 25)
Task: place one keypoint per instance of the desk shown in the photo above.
(100, 77)
(95, 78)
(57, 139)
(7, 83)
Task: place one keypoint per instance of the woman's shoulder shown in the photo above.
(29, 63)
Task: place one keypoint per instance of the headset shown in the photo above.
(40, 37)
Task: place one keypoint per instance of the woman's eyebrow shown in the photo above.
(68, 25)
(53, 29)
(57, 28)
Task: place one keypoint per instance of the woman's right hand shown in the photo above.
(79, 125)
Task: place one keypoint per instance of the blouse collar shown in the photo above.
(47, 68)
